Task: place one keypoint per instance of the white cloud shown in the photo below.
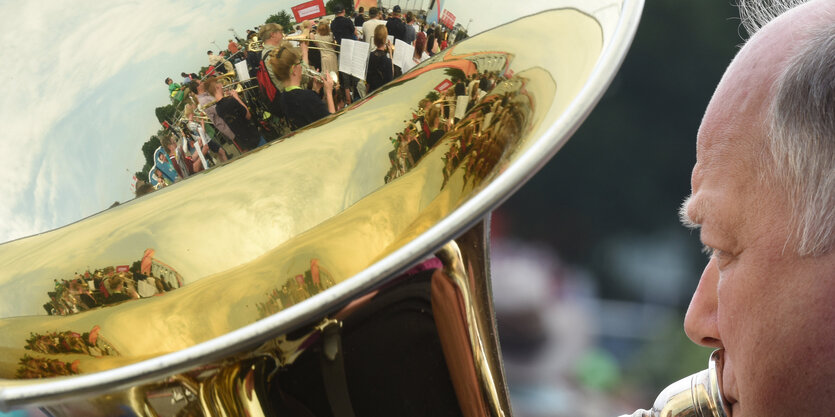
(113, 56)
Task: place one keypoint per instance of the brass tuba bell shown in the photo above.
(341, 270)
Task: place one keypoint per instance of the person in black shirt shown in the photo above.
(342, 27)
(236, 115)
(380, 69)
(301, 106)
(360, 19)
(395, 25)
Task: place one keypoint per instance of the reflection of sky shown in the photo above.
(82, 81)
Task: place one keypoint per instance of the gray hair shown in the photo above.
(802, 140)
(754, 14)
(801, 123)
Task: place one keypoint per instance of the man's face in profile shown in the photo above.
(772, 310)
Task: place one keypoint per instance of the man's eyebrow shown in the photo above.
(691, 212)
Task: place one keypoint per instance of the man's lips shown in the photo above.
(729, 388)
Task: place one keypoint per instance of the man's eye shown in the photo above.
(721, 256)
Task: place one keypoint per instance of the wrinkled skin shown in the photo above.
(771, 310)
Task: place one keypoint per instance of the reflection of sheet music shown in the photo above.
(461, 106)
(403, 55)
(359, 63)
(242, 70)
(353, 58)
(345, 55)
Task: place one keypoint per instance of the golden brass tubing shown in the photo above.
(478, 318)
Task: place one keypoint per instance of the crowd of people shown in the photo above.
(290, 84)
(479, 130)
(110, 285)
(87, 343)
(296, 289)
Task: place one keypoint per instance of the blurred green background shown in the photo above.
(606, 206)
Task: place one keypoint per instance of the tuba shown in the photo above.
(341, 270)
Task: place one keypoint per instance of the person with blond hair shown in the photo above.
(236, 115)
(380, 68)
(301, 106)
(271, 35)
(323, 39)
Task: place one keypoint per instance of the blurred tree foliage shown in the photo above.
(165, 113)
(627, 168)
(347, 4)
(282, 18)
(148, 149)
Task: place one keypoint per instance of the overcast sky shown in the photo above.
(81, 82)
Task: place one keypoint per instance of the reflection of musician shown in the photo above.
(271, 34)
(237, 116)
(300, 106)
(380, 70)
(324, 40)
(433, 122)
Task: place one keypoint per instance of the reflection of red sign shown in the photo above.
(308, 10)
(443, 86)
(122, 268)
(448, 19)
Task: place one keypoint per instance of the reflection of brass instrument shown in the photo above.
(290, 246)
(254, 45)
(316, 75)
(305, 38)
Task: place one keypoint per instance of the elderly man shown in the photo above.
(763, 198)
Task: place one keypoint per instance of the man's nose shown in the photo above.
(700, 323)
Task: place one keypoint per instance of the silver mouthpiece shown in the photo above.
(698, 395)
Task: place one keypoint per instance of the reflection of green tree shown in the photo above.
(148, 149)
(282, 18)
(347, 4)
(165, 113)
(455, 74)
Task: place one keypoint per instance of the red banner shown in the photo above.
(443, 86)
(122, 268)
(309, 10)
(448, 19)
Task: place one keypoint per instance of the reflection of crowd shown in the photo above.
(485, 134)
(221, 114)
(31, 367)
(487, 124)
(55, 343)
(106, 286)
(297, 289)
(88, 343)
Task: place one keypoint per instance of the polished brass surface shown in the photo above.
(316, 195)
(698, 395)
(466, 266)
(290, 221)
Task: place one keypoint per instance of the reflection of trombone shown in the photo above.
(304, 38)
